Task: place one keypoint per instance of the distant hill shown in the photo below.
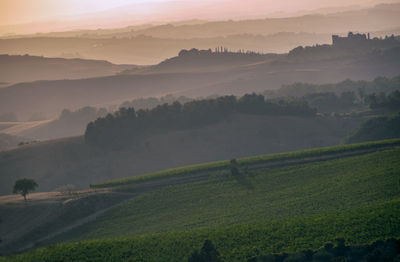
(317, 65)
(69, 123)
(149, 50)
(206, 60)
(376, 18)
(27, 68)
(73, 123)
(151, 44)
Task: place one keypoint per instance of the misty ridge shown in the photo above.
(153, 44)
(326, 98)
(192, 74)
(26, 68)
(207, 73)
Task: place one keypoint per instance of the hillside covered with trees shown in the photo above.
(126, 125)
(361, 88)
(345, 96)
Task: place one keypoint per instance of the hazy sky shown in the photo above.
(23, 11)
(26, 11)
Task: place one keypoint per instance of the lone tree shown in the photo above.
(23, 186)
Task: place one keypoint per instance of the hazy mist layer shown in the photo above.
(24, 16)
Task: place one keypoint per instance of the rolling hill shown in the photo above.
(27, 68)
(55, 163)
(148, 50)
(277, 203)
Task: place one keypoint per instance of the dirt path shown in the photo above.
(30, 197)
(33, 198)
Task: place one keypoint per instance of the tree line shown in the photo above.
(360, 88)
(380, 93)
(151, 102)
(125, 125)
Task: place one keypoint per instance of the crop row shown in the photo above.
(235, 243)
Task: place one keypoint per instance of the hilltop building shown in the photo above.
(351, 39)
(359, 40)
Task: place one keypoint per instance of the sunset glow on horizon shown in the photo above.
(45, 14)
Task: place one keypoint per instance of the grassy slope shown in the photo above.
(270, 194)
(220, 165)
(282, 209)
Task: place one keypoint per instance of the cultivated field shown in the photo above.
(277, 203)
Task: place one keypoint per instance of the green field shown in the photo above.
(309, 189)
(238, 242)
(262, 211)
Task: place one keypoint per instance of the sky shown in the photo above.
(25, 11)
(92, 13)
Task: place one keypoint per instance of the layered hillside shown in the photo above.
(72, 161)
(189, 76)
